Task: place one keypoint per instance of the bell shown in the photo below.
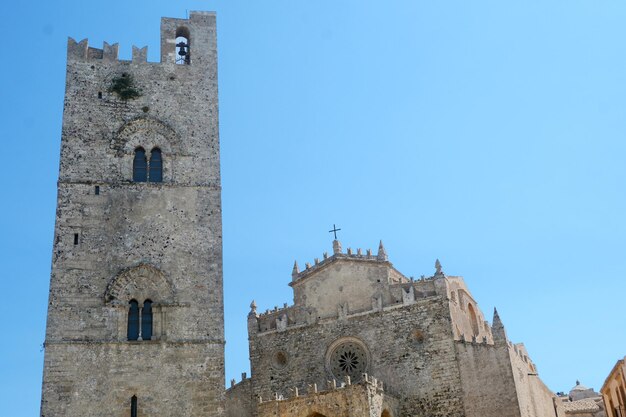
(182, 46)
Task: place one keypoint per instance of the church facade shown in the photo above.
(135, 316)
(362, 339)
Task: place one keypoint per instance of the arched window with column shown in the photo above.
(140, 166)
(156, 166)
(133, 320)
(140, 320)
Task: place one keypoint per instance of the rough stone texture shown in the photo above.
(135, 240)
(426, 340)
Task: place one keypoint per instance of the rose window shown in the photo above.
(348, 359)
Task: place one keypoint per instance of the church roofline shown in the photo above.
(381, 259)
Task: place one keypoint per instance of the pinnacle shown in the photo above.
(382, 253)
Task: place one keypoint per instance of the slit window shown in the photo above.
(76, 238)
(97, 190)
(133, 406)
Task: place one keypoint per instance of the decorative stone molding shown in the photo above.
(141, 282)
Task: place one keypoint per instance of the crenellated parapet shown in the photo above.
(109, 52)
(368, 382)
(396, 296)
(183, 41)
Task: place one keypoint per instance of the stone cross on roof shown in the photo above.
(335, 230)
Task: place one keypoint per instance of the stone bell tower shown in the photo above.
(135, 316)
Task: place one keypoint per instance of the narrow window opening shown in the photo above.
(76, 238)
(146, 320)
(133, 406)
(97, 190)
(140, 166)
(183, 53)
(156, 166)
(133, 320)
(99, 94)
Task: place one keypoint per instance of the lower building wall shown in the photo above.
(487, 380)
(99, 379)
(359, 400)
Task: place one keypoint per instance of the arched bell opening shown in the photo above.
(183, 52)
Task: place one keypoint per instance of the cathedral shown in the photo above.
(136, 317)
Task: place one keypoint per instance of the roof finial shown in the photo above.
(295, 271)
(253, 306)
(382, 253)
(336, 247)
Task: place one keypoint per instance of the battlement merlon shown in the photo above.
(199, 30)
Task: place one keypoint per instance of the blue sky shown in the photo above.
(487, 134)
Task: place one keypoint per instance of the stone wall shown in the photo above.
(487, 380)
(99, 379)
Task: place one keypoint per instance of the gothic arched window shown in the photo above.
(156, 166)
(133, 320)
(140, 166)
(146, 320)
(183, 53)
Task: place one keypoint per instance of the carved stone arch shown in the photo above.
(147, 132)
(141, 282)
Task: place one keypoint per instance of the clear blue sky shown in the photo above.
(487, 134)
